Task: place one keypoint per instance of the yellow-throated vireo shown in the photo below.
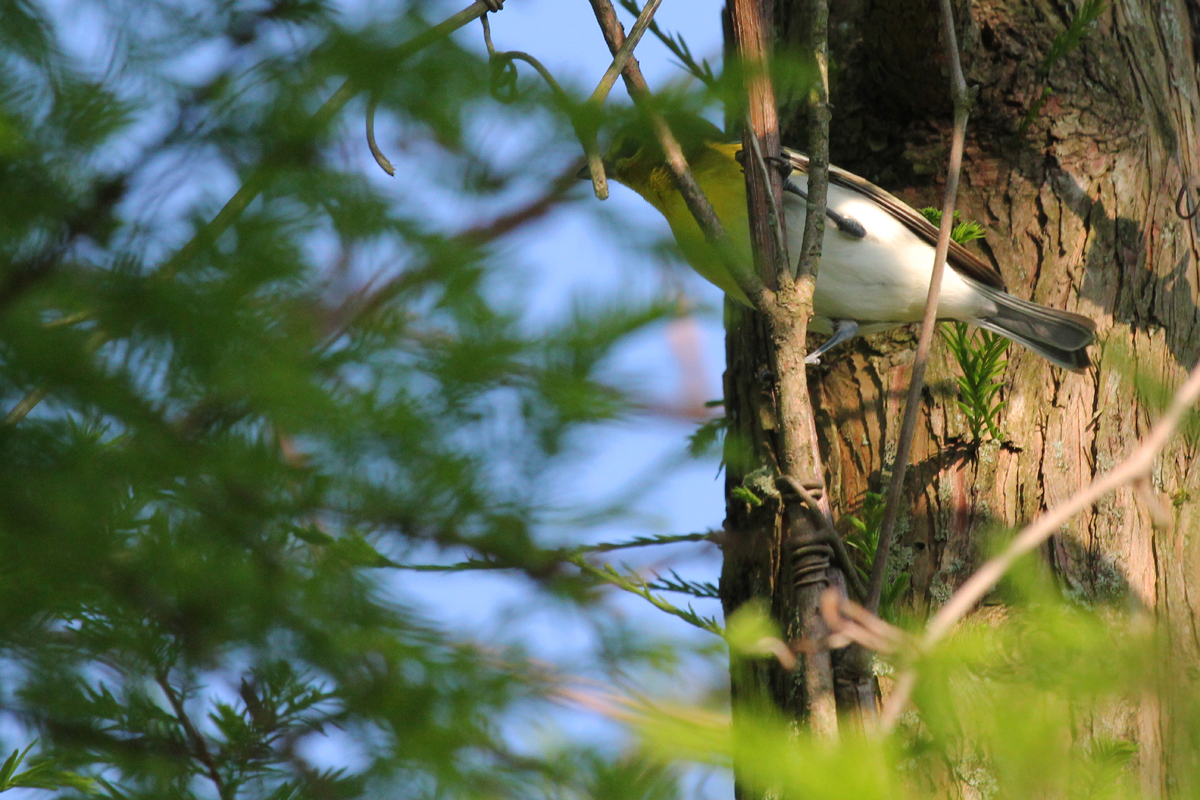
(877, 254)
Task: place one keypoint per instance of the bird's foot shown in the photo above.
(782, 165)
(843, 330)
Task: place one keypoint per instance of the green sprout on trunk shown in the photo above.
(980, 354)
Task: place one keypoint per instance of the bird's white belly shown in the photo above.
(881, 278)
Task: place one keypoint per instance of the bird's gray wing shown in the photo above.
(960, 258)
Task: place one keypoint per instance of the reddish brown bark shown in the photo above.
(1080, 213)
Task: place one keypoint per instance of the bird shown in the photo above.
(877, 256)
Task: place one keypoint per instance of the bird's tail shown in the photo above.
(1060, 337)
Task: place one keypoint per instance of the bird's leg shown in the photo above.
(847, 225)
(843, 330)
(782, 165)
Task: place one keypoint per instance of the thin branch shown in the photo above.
(380, 158)
(851, 623)
(39, 393)
(798, 454)
(714, 232)
(373, 103)
(470, 565)
(809, 261)
(366, 300)
(622, 56)
(323, 115)
(764, 188)
(561, 555)
(519, 55)
(649, 541)
(1137, 466)
(633, 584)
(777, 219)
(586, 137)
(25, 405)
(195, 740)
(507, 223)
(958, 91)
(702, 71)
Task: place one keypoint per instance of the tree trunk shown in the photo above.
(771, 435)
(1080, 211)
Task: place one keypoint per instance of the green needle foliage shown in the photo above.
(634, 584)
(980, 357)
(44, 773)
(962, 232)
(1081, 23)
(221, 436)
(979, 354)
(1042, 703)
(863, 541)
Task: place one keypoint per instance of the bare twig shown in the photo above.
(650, 541)
(818, 155)
(380, 158)
(678, 47)
(851, 623)
(764, 188)
(958, 90)
(1136, 467)
(778, 648)
(466, 16)
(561, 555)
(39, 393)
(519, 55)
(714, 232)
(585, 136)
(25, 405)
(366, 299)
(778, 223)
(345, 93)
(629, 582)
(622, 56)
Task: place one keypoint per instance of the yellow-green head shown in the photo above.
(636, 160)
